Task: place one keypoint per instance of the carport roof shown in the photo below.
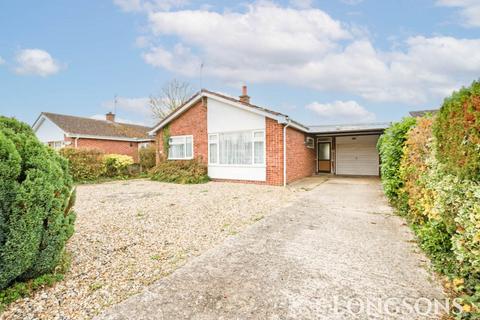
(342, 128)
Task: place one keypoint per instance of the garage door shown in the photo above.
(357, 155)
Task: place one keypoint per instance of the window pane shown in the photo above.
(213, 153)
(174, 140)
(235, 148)
(212, 138)
(189, 147)
(324, 151)
(176, 151)
(258, 152)
(258, 136)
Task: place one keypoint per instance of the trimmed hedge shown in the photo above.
(438, 190)
(85, 164)
(390, 147)
(115, 165)
(457, 131)
(36, 200)
(147, 157)
(180, 171)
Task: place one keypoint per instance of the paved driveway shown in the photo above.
(337, 253)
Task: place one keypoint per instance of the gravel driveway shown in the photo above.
(129, 234)
(336, 253)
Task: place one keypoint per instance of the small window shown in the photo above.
(180, 148)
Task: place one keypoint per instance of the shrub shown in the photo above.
(390, 146)
(116, 165)
(85, 164)
(36, 199)
(457, 131)
(147, 157)
(185, 172)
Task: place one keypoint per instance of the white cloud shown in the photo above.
(36, 62)
(134, 105)
(152, 5)
(302, 4)
(271, 43)
(469, 10)
(341, 111)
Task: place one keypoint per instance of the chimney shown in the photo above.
(244, 98)
(110, 117)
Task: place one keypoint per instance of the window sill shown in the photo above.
(180, 158)
(237, 165)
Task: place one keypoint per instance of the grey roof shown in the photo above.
(421, 113)
(377, 126)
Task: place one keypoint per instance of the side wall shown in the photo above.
(108, 146)
(47, 131)
(191, 122)
(300, 159)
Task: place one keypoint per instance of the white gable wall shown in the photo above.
(222, 117)
(47, 131)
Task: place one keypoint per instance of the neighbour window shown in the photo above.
(237, 148)
(56, 144)
(180, 148)
(143, 145)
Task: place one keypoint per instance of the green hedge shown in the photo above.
(390, 147)
(85, 164)
(180, 171)
(437, 188)
(36, 199)
(147, 157)
(457, 132)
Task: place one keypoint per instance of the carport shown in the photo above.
(348, 149)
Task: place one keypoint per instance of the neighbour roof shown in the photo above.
(349, 127)
(421, 113)
(91, 127)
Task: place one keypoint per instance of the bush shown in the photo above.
(85, 164)
(390, 146)
(147, 157)
(457, 131)
(116, 165)
(36, 199)
(180, 171)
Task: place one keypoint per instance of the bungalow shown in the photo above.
(240, 141)
(58, 131)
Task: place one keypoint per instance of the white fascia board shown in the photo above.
(87, 136)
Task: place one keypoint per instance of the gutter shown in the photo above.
(286, 125)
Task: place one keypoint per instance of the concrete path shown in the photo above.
(337, 253)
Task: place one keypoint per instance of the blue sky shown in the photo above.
(320, 61)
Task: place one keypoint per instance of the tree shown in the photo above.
(173, 94)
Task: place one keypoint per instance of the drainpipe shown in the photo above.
(76, 142)
(286, 125)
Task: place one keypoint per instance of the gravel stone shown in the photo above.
(131, 233)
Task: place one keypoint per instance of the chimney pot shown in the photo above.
(110, 117)
(245, 98)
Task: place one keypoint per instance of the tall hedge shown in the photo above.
(36, 199)
(457, 131)
(390, 147)
(85, 164)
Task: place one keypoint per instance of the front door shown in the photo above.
(324, 156)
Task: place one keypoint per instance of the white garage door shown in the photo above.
(357, 155)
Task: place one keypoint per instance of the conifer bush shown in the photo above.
(36, 199)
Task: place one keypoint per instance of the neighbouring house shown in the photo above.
(421, 113)
(59, 131)
(239, 141)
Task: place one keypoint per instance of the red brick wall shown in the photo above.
(300, 159)
(191, 122)
(274, 146)
(109, 146)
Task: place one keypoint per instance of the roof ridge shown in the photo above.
(93, 119)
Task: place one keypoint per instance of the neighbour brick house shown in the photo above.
(109, 136)
(239, 141)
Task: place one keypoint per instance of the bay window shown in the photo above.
(180, 148)
(237, 148)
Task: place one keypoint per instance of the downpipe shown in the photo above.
(286, 125)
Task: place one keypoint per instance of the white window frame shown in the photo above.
(252, 165)
(184, 143)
